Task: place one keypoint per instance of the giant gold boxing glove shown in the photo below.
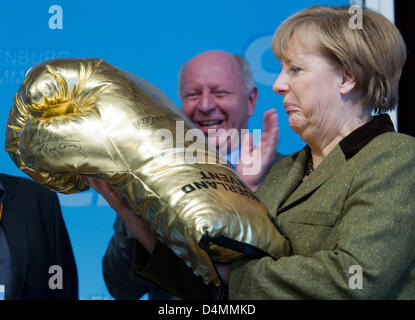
(73, 118)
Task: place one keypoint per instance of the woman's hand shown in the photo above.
(134, 223)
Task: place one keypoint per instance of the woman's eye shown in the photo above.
(295, 69)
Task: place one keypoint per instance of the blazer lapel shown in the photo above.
(330, 165)
(277, 188)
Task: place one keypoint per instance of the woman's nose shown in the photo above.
(280, 85)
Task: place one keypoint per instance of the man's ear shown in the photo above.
(348, 82)
(252, 99)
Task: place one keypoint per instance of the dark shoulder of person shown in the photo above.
(38, 240)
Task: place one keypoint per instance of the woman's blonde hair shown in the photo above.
(374, 54)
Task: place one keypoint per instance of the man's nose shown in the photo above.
(207, 102)
(281, 85)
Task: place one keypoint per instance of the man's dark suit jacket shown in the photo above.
(37, 239)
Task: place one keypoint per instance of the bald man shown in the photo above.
(219, 95)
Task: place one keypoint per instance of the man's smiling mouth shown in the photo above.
(210, 123)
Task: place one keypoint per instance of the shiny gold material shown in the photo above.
(73, 118)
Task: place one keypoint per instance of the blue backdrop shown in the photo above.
(151, 39)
